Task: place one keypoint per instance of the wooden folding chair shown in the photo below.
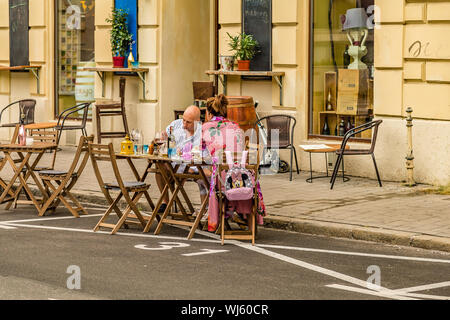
(60, 183)
(106, 153)
(226, 230)
(45, 135)
(3, 162)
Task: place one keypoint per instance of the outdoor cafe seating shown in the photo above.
(54, 186)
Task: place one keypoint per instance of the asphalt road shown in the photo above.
(59, 257)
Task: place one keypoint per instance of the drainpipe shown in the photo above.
(410, 155)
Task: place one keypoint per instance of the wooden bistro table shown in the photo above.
(25, 153)
(174, 182)
(41, 126)
(324, 148)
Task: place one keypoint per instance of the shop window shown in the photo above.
(341, 87)
(75, 51)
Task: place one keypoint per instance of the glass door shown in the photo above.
(75, 25)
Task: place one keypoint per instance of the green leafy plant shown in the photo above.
(244, 46)
(120, 38)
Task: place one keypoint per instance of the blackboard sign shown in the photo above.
(257, 21)
(18, 33)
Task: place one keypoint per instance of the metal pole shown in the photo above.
(410, 155)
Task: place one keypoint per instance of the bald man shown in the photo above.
(186, 130)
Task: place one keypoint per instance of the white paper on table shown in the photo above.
(314, 147)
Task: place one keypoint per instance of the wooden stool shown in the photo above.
(112, 109)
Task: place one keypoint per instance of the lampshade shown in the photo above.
(355, 18)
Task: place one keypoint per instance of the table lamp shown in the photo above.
(355, 23)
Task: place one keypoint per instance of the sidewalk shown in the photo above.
(358, 209)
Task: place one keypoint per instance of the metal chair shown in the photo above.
(26, 107)
(61, 125)
(348, 152)
(285, 125)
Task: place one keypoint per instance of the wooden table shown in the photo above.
(173, 181)
(38, 148)
(329, 148)
(222, 75)
(41, 125)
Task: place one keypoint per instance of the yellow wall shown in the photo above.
(185, 53)
(176, 43)
(412, 60)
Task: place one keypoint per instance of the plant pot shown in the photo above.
(244, 65)
(118, 62)
(226, 62)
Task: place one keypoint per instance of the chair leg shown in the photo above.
(99, 129)
(296, 161)
(336, 170)
(376, 170)
(292, 154)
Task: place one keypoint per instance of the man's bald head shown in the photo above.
(193, 113)
(190, 116)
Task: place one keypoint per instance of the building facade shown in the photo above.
(407, 59)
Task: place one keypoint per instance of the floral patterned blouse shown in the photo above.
(221, 134)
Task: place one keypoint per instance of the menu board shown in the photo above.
(18, 33)
(257, 21)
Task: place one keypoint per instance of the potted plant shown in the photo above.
(120, 37)
(245, 48)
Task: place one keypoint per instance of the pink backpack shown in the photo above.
(239, 182)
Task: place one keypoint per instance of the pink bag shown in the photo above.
(239, 182)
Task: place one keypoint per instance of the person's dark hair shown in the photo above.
(217, 105)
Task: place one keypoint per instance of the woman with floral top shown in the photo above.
(219, 135)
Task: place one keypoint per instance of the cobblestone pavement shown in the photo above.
(358, 209)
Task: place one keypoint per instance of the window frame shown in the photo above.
(310, 114)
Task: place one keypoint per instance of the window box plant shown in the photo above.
(120, 37)
(245, 47)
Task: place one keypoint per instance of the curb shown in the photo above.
(339, 230)
(328, 229)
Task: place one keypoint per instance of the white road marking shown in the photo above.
(2, 226)
(354, 253)
(204, 251)
(51, 219)
(108, 233)
(315, 268)
(163, 246)
(424, 287)
(367, 291)
(383, 293)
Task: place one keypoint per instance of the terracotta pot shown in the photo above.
(118, 62)
(244, 65)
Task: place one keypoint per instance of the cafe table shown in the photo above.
(25, 161)
(174, 182)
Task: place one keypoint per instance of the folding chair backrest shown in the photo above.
(82, 153)
(48, 136)
(104, 153)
